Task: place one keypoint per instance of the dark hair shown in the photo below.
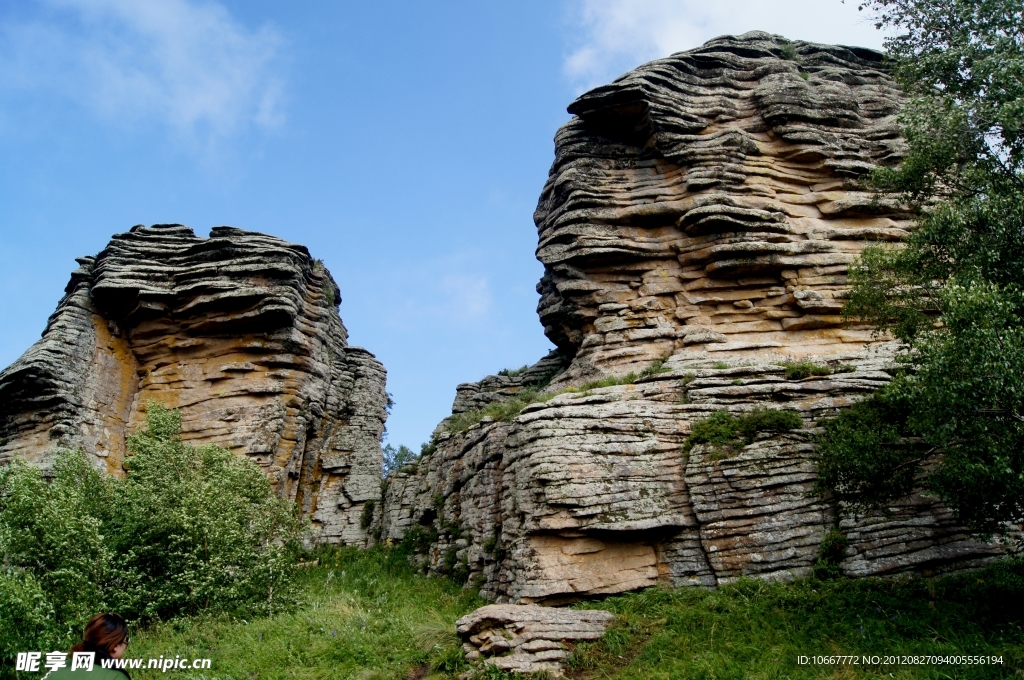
(102, 634)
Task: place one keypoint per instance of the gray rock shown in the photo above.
(527, 638)
(702, 210)
(240, 332)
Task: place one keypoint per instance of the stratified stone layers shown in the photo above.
(702, 210)
(528, 638)
(592, 493)
(713, 199)
(240, 332)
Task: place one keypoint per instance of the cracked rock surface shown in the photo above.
(702, 211)
(240, 332)
(713, 199)
(527, 638)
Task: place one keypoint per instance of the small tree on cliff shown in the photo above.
(954, 295)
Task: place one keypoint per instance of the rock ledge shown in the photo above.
(527, 638)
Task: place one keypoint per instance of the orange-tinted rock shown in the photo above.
(713, 199)
(240, 332)
(702, 211)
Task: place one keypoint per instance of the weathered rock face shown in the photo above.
(527, 638)
(240, 332)
(711, 199)
(702, 211)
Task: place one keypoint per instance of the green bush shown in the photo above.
(188, 530)
(725, 431)
(366, 518)
(830, 554)
(798, 370)
(54, 557)
(866, 458)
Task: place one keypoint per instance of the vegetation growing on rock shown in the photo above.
(506, 410)
(726, 432)
(954, 296)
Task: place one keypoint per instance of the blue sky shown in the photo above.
(405, 143)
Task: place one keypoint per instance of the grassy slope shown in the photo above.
(754, 629)
(366, 615)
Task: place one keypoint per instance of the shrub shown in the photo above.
(798, 370)
(197, 528)
(865, 457)
(725, 431)
(830, 554)
(366, 518)
(188, 530)
(52, 550)
(418, 540)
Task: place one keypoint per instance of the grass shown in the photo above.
(755, 629)
(365, 615)
(505, 411)
(726, 432)
(798, 370)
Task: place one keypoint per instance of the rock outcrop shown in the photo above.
(712, 199)
(527, 638)
(240, 332)
(696, 230)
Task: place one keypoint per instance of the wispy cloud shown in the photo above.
(466, 297)
(609, 37)
(187, 64)
(445, 292)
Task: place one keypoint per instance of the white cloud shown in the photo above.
(466, 297)
(187, 64)
(436, 293)
(612, 36)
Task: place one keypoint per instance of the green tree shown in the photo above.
(188, 530)
(396, 459)
(54, 562)
(196, 528)
(954, 294)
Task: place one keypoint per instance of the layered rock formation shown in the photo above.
(698, 222)
(240, 332)
(712, 199)
(527, 638)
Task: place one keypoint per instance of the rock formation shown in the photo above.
(696, 229)
(527, 638)
(240, 332)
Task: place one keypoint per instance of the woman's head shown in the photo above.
(105, 634)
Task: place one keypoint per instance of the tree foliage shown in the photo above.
(396, 459)
(954, 294)
(188, 530)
